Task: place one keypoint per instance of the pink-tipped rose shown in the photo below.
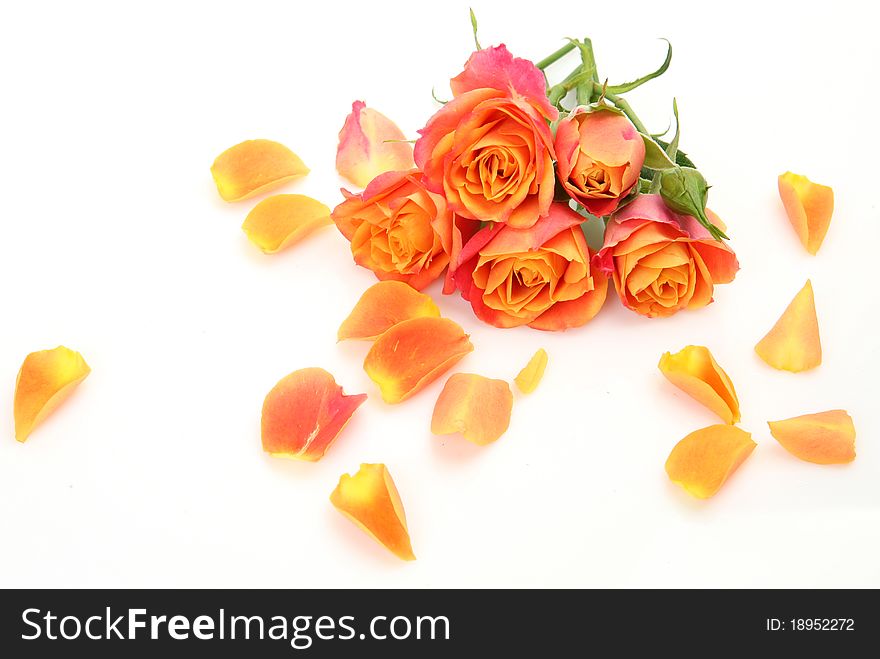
(662, 262)
(599, 157)
(489, 151)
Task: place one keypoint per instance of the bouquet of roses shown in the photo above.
(503, 183)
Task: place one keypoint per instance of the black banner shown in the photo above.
(428, 623)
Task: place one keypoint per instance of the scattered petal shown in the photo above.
(809, 207)
(254, 166)
(304, 413)
(284, 219)
(45, 380)
(695, 372)
(703, 460)
(477, 407)
(382, 306)
(370, 500)
(530, 377)
(370, 144)
(414, 353)
(824, 438)
(793, 343)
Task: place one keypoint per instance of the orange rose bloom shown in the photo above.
(540, 276)
(662, 262)
(489, 151)
(400, 230)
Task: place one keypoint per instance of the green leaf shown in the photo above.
(629, 86)
(681, 158)
(655, 155)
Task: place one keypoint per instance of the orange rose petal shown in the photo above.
(809, 207)
(474, 406)
(695, 372)
(370, 144)
(703, 460)
(370, 500)
(530, 377)
(304, 413)
(46, 379)
(254, 166)
(414, 353)
(382, 306)
(793, 342)
(282, 220)
(824, 438)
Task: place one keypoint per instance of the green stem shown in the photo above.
(557, 92)
(585, 87)
(623, 106)
(555, 56)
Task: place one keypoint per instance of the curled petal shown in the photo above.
(703, 461)
(45, 380)
(496, 68)
(370, 500)
(808, 206)
(793, 342)
(530, 377)
(282, 220)
(382, 306)
(414, 353)
(254, 166)
(370, 144)
(824, 438)
(695, 372)
(304, 413)
(477, 407)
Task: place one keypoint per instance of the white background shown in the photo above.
(115, 243)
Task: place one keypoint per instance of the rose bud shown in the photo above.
(599, 158)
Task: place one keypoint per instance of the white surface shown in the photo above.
(116, 244)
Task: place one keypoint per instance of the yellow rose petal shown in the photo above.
(695, 372)
(45, 380)
(282, 220)
(793, 342)
(809, 207)
(254, 166)
(823, 438)
(705, 459)
(530, 377)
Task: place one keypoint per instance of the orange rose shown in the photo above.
(489, 151)
(400, 230)
(539, 276)
(600, 155)
(662, 262)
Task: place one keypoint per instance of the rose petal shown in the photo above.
(824, 438)
(282, 220)
(695, 372)
(703, 461)
(414, 353)
(530, 377)
(254, 166)
(370, 144)
(304, 413)
(370, 500)
(496, 68)
(477, 407)
(793, 342)
(46, 379)
(382, 306)
(809, 207)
